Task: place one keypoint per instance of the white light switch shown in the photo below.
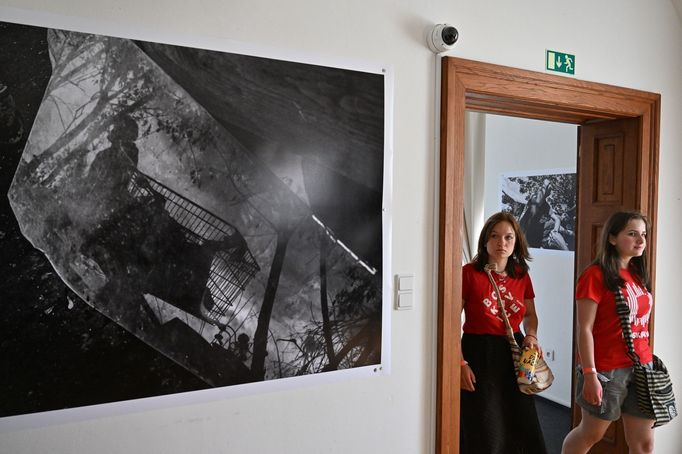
(405, 282)
(404, 287)
(405, 300)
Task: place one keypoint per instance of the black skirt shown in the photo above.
(496, 418)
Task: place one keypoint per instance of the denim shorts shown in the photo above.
(618, 396)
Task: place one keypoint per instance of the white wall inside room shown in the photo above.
(395, 413)
(519, 145)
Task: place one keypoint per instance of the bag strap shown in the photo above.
(623, 312)
(516, 350)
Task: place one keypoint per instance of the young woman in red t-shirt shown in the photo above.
(606, 387)
(497, 418)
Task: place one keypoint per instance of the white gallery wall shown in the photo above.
(631, 43)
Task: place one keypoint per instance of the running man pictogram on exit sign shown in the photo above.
(560, 62)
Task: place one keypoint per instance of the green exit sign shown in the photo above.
(560, 62)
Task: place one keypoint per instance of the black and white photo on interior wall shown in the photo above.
(544, 203)
(176, 219)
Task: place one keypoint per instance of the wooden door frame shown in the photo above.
(489, 88)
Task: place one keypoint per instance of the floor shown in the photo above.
(555, 420)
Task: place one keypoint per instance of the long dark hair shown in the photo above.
(517, 264)
(607, 255)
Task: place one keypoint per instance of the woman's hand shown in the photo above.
(467, 378)
(531, 341)
(592, 390)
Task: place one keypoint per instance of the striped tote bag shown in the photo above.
(654, 387)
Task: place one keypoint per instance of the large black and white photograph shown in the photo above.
(544, 203)
(176, 219)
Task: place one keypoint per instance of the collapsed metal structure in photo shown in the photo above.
(223, 209)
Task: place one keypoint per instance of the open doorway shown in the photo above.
(509, 161)
(475, 86)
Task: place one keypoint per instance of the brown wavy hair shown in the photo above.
(607, 255)
(517, 265)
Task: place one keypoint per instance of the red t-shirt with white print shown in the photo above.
(481, 310)
(610, 351)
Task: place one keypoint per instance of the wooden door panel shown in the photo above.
(608, 187)
(607, 175)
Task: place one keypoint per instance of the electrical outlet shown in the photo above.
(549, 354)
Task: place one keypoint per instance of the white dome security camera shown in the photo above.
(442, 38)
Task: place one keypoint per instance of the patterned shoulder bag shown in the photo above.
(654, 387)
(543, 377)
